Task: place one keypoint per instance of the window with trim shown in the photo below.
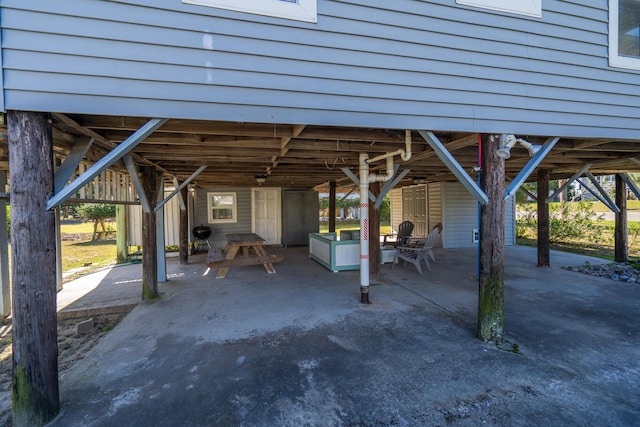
(222, 207)
(521, 7)
(624, 33)
(299, 10)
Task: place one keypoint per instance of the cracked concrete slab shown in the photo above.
(297, 348)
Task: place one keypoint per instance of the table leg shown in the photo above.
(262, 253)
(231, 254)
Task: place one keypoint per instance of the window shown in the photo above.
(222, 207)
(522, 7)
(300, 10)
(624, 33)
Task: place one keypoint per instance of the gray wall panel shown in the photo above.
(402, 64)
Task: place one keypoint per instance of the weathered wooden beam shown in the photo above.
(183, 228)
(35, 350)
(544, 259)
(99, 139)
(490, 326)
(149, 237)
(160, 236)
(621, 245)
(113, 156)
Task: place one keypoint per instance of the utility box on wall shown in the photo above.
(300, 216)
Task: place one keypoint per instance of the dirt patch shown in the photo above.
(72, 347)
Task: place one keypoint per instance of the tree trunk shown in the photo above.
(544, 259)
(184, 228)
(332, 206)
(374, 232)
(621, 252)
(35, 349)
(149, 252)
(491, 294)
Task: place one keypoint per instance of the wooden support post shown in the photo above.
(35, 350)
(621, 252)
(149, 253)
(332, 206)
(161, 257)
(122, 248)
(5, 288)
(374, 233)
(491, 281)
(184, 227)
(544, 259)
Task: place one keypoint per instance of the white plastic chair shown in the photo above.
(419, 250)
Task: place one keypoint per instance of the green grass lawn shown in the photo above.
(81, 251)
(351, 224)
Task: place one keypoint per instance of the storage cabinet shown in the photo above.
(300, 216)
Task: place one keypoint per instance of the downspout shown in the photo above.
(365, 179)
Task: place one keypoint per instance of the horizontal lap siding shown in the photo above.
(461, 216)
(219, 231)
(414, 64)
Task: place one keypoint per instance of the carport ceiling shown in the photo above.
(310, 156)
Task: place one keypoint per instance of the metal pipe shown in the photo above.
(364, 228)
(365, 179)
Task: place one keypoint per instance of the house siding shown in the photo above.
(450, 204)
(403, 64)
(219, 231)
(435, 207)
(460, 216)
(396, 208)
(171, 223)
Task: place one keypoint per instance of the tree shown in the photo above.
(98, 214)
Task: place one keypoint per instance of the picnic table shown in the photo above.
(253, 253)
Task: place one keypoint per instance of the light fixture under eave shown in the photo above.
(531, 148)
(508, 141)
(261, 179)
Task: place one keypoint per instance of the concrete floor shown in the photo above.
(297, 348)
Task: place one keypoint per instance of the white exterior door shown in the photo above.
(266, 215)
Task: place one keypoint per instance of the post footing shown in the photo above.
(364, 295)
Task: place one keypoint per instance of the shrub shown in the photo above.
(567, 220)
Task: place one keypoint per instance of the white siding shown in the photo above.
(460, 216)
(435, 207)
(510, 221)
(171, 223)
(396, 208)
(452, 205)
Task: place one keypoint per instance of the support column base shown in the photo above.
(364, 295)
